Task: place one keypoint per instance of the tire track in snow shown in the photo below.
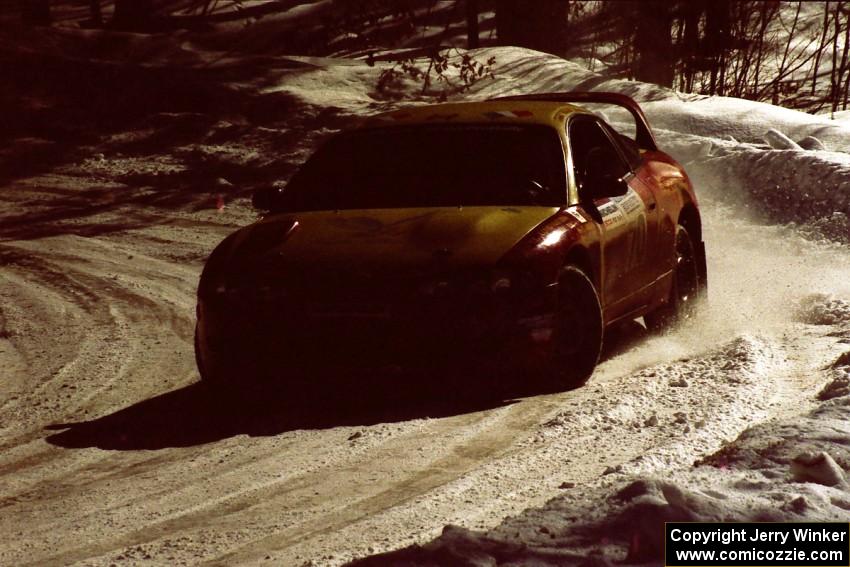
(300, 489)
(307, 494)
(571, 446)
(111, 314)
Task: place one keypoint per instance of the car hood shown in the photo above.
(387, 239)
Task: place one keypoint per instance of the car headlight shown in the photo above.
(235, 253)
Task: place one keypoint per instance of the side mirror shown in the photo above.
(264, 198)
(600, 178)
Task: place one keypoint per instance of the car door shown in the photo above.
(628, 222)
(655, 260)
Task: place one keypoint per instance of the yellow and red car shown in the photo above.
(510, 232)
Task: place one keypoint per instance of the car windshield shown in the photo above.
(432, 166)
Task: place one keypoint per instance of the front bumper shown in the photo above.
(266, 337)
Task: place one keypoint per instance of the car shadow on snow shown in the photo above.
(192, 416)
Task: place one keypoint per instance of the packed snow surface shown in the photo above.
(112, 454)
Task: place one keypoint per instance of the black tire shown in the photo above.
(198, 363)
(243, 383)
(687, 286)
(577, 334)
(211, 384)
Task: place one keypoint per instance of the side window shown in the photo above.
(593, 152)
(627, 145)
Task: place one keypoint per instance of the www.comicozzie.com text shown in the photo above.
(757, 534)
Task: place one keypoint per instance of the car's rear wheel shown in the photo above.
(686, 288)
(577, 331)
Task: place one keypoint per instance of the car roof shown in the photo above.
(542, 108)
(496, 111)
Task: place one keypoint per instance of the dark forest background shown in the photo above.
(778, 52)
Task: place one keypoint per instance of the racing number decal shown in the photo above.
(623, 211)
(612, 216)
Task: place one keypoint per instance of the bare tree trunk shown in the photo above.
(132, 14)
(846, 92)
(833, 86)
(762, 30)
(838, 67)
(472, 24)
(741, 69)
(507, 16)
(712, 85)
(821, 47)
(539, 25)
(35, 12)
(790, 37)
(844, 60)
(593, 45)
(717, 42)
(679, 72)
(739, 72)
(693, 12)
(653, 44)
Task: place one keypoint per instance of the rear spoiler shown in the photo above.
(643, 135)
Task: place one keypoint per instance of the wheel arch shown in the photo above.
(580, 257)
(691, 220)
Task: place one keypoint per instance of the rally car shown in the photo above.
(509, 232)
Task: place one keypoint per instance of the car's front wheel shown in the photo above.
(577, 331)
(686, 289)
(211, 381)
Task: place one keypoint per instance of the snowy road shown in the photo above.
(111, 454)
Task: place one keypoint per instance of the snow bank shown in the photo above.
(808, 189)
(745, 120)
(811, 188)
(785, 470)
(824, 309)
(350, 83)
(524, 71)
(842, 116)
